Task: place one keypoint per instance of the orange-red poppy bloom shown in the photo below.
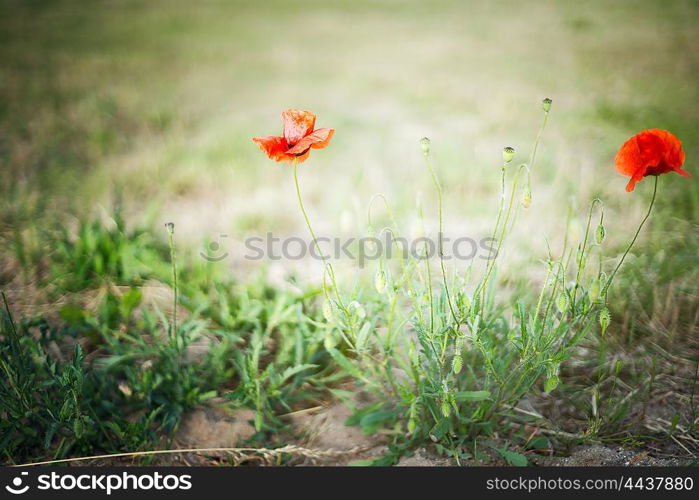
(298, 138)
(651, 152)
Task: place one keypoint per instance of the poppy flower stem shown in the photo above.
(635, 237)
(327, 265)
(581, 259)
(440, 242)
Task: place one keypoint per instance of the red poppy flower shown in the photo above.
(651, 152)
(298, 138)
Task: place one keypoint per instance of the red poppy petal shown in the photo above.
(631, 185)
(274, 147)
(317, 140)
(297, 124)
(628, 160)
(683, 173)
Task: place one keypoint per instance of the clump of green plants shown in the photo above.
(99, 253)
(445, 360)
(119, 376)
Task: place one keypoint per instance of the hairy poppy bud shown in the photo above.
(328, 311)
(604, 319)
(446, 408)
(357, 309)
(170, 226)
(552, 379)
(507, 154)
(412, 423)
(425, 145)
(546, 104)
(329, 342)
(527, 196)
(380, 281)
(456, 364)
(562, 302)
(600, 234)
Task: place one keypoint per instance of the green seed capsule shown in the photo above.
(546, 104)
(600, 234)
(380, 281)
(604, 319)
(328, 311)
(507, 154)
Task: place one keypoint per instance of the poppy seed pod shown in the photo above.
(507, 154)
(546, 104)
(425, 145)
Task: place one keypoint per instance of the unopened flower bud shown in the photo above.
(380, 281)
(604, 319)
(562, 302)
(446, 408)
(328, 311)
(357, 309)
(456, 364)
(600, 234)
(527, 196)
(546, 104)
(170, 226)
(425, 145)
(507, 154)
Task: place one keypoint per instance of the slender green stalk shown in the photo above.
(628, 249)
(581, 258)
(326, 264)
(173, 259)
(482, 287)
(440, 242)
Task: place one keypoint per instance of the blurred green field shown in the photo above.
(150, 107)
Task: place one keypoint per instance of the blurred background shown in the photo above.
(151, 106)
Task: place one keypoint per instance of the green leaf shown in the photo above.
(471, 396)
(513, 458)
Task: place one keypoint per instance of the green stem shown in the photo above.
(326, 264)
(628, 249)
(440, 243)
(171, 230)
(581, 259)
